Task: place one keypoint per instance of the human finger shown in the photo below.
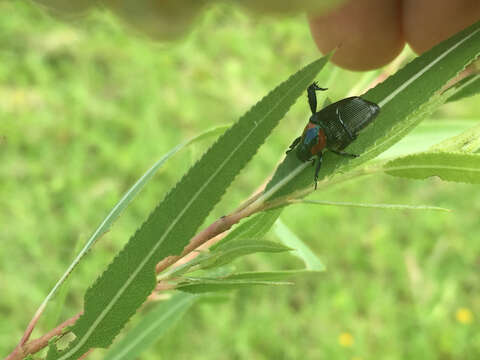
(427, 22)
(367, 34)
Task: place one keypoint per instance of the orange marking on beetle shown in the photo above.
(322, 142)
(308, 127)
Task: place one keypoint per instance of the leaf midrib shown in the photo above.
(424, 70)
(167, 232)
(441, 167)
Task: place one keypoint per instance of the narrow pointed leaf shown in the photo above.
(130, 278)
(372, 206)
(126, 199)
(228, 252)
(152, 327)
(224, 255)
(467, 87)
(405, 98)
(113, 215)
(426, 135)
(254, 227)
(468, 142)
(202, 285)
(405, 92)
(272, 275)
(302, 250)
(458, 167)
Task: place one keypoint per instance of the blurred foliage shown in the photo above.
(86, 107)
(168, 19)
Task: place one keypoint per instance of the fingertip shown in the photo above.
(428, 22)
(366, 34)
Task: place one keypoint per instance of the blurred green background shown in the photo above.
(87, 105)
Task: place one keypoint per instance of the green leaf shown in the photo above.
(255, 226)
(152, 327)
(240, 280)
(404, 93)
(224, 255)
(427, 134)
(271, 275)
(404, 98)
(130, 278)
(466, 87)
(458, 167)
(230, 251)
(302, 251)
(53, 315)
(373, 206)
(203, 285)
(126, 199)
(112, 216)
(468, 142)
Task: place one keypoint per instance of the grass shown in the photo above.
(86, 108)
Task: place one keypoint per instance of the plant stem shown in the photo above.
(216, 228)
(38, 344)
(256, 203)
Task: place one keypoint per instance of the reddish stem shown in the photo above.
(38, 344)
(218, 227)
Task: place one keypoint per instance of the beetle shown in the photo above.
(332, 128)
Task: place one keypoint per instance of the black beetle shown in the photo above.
(332, 128)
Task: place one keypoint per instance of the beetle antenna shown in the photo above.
(312, 96)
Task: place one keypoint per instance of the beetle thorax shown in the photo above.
(313, 141)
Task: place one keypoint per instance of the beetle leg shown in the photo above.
(341, 153)
(317, 169)
(312, 96)
(294, 143)
(352, 137)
